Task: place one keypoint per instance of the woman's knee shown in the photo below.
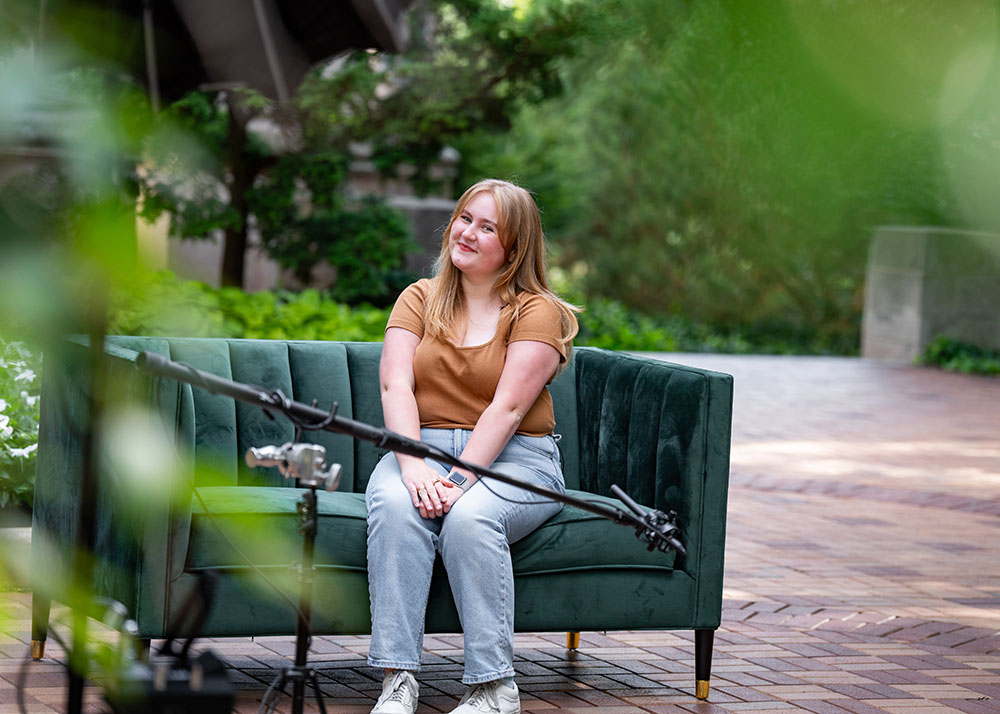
(467, 528)
(389, 500)
(386, 495)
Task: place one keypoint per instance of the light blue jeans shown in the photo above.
(473, 540)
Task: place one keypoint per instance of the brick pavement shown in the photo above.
(862, 573)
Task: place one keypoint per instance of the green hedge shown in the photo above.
(167, 306)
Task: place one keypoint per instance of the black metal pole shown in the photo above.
(308, 514)
(83, 561)
(155, 364)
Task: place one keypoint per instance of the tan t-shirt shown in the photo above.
(454, 385)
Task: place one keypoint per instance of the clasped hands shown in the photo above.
(431, 494)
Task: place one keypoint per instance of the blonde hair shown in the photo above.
(519, 227)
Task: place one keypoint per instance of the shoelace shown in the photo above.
(484, 693)
(397, 694)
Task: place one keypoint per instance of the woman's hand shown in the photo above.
(450, 493)
(432, 495)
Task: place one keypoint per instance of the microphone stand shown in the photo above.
(304, 463)
(656, 529)
(300, 673)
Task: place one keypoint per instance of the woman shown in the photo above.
(466, 358)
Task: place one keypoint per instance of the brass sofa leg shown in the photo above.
(572, 640)
(40, 609)
(703, 640)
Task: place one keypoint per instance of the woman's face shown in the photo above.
(474, 243)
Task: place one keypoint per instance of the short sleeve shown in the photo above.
(538, 320)
(408, 312)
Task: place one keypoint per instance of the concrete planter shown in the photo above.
(923, 282)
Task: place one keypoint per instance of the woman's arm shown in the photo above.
(399, 410)
(528, 367)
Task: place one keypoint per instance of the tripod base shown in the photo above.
(299, 677)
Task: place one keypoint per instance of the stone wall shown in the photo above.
(923, 282)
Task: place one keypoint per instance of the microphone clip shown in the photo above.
(305, 462)
(658, 530)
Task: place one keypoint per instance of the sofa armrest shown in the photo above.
(662, 432)
(132, 530)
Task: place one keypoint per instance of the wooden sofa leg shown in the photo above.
(572, 640)
(40, 607)
(703, 640)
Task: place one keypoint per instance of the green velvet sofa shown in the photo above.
(661, 431)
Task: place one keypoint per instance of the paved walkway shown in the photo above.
(862, 573)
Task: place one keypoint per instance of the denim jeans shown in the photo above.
(473, 540)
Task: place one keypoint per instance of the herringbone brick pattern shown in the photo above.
(862, 572)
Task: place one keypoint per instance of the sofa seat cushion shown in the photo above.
(261, 525)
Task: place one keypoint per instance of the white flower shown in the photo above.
(28, 399)
(23, 453)
(5, 430)
(26, 374)
(3, 404)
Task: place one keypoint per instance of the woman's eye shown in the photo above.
(466, 219)
(488, 229)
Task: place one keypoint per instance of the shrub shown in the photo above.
(956, 356)
(167, 306)
(610, 324)
(19, 389)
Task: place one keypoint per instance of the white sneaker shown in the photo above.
(399, 694)
(490, 698)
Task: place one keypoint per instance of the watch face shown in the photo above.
(457, 479)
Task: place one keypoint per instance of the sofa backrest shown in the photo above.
(217, 431)
(639, 423)
(646, 426)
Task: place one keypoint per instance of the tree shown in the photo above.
(467, 75)
(705, 160)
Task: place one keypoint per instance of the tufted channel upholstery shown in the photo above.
(660, 431)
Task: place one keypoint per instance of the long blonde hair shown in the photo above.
(519, 227)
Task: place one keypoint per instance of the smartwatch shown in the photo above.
(459, 480)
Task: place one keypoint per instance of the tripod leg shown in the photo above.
(277, 686)
(319, 694)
